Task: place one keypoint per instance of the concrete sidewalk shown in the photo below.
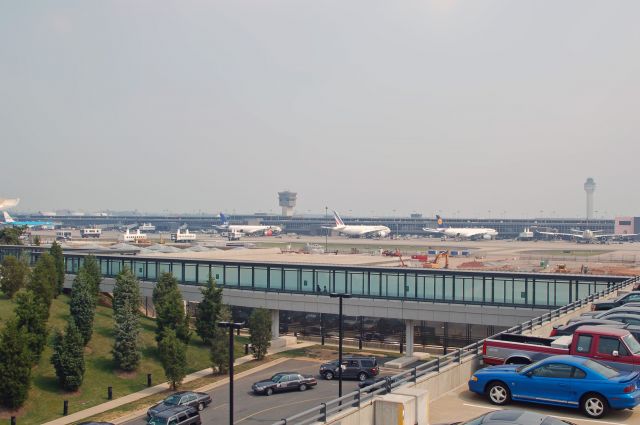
(130, 398)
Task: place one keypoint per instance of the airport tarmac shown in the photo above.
(504, 255)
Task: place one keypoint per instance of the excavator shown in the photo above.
(435, 264)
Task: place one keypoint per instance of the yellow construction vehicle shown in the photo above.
(435, 263)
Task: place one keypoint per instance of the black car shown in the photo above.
(360, 368)
(617, 302)
(176, 415)
(512, 417)
(181, 398)
(284, 381)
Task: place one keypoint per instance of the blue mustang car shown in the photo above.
(571, 381)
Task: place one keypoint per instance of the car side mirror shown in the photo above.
(615, 353)
(529, 374)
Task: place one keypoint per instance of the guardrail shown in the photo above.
(357, 398)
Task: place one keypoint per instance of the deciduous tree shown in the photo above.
(14, 274)
(260, 332)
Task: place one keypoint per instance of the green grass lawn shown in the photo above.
(46, 399)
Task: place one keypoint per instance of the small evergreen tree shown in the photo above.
(208, 311)
(68, 357)
(58, 260)
(43, 281)
(92, 268)
(15, 366)
(169, 306)
(219, 351)
(14, 274)
(260, 332)
(32, 316)
(126, 300)
(173, 354)
(82, 305)
(125, 348)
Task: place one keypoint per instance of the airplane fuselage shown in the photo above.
(363, 230)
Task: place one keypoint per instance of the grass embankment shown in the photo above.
(46, 398)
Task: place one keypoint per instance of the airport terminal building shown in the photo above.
(312, 225)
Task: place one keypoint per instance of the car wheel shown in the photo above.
(362, 376)
(328, 376)
(303, 387)
(200, 407)
(594, 406)
(269, 391)
(499, 393)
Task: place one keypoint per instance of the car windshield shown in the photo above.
(604, 370)
(277, 377)
(157, 421)
(632, 344)
(173, 400)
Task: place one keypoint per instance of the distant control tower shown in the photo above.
(589, 187)
(287, 202)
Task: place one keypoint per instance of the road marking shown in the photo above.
(553, 416)
(277, 407)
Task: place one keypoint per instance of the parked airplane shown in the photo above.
(358, 230)
(9, 221)
(246, 229)
(462, 232)
(589, 236)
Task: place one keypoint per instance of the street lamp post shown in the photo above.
(326, 231)
(341, 297)
(231, 326)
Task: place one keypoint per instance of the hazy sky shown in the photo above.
(368, 106)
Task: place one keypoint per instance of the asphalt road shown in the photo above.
(253, 409)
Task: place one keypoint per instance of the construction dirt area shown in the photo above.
(489, 255)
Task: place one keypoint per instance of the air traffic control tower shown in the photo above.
(287, 202)
(589, 188)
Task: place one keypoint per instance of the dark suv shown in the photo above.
(359, 368)
(179, 415)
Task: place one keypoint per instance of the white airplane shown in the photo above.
(588, 236)
(462, 232)
(9, 221)
(247, 229)
(358, 230)
(8, 203)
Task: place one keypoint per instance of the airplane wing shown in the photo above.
(573, 235)
(623, 235)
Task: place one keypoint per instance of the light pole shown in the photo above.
(340, 296)
(231, 326)
(326, 231)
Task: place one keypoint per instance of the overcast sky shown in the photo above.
(462, 107)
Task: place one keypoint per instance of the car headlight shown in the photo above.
(474, 378)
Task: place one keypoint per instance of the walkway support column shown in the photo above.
(409, 332)
(275, 324)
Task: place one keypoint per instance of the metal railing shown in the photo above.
(356, 398)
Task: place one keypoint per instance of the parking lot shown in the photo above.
(260, 409)
(461, 405)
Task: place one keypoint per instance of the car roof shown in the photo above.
(173, 410)
(599, 330)
(594, 321)
(518, 417)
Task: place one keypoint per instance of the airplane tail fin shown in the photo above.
(7, 217)
(337, 218)
(440, 221)
(223, 218)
